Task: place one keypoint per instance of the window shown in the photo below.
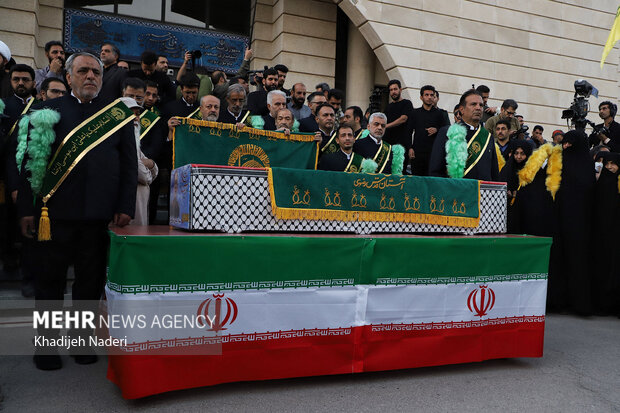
(231, 16)
(146, 9)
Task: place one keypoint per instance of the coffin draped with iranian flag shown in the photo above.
(291, 306)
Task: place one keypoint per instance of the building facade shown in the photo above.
(531, 52)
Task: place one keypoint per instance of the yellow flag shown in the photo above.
(614, 36)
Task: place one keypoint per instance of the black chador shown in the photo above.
(510, 175)
(569, 286)
(604, 257)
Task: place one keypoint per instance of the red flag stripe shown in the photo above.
(367, 348)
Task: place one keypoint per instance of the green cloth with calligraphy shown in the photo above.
(303, 194)
(82, 139)
(214, 143)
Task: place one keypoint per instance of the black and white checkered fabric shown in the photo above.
(236, 200)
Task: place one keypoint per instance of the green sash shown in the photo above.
(355, 163)
(148, 119)
(86, 136)
(196, 114)
(476, 147)
(331, 146)
(382, 156)
(22, 114)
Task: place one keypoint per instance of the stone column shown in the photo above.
(360, 69)
(25, 26)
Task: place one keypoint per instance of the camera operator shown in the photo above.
(608, 132)
(488, 112)
(55, 53)
(523, 132)
(218, 83)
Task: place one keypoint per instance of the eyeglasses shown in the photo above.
(138, 99)
(57, 91)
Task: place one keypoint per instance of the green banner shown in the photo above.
(303, 194)
(196, 263)
(148, 119)
(213, 143)
(81, 140)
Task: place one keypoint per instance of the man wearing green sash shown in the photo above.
(79, 172)
(344, 159)
(481, 158)
(373, 147)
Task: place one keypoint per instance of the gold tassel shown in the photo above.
(44, 226)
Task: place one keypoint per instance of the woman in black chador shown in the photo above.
(569, 283)
(520, 151)
(605, 263)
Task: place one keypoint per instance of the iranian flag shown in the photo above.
(281, 306)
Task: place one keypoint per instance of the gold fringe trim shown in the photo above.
(297, 137)
(354, 216)
(619, 184)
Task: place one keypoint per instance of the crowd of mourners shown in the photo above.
(574, 200)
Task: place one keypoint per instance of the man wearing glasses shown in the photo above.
(507, 112)
(52, 88)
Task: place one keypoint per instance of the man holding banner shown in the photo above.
(86, 179)
(210, 108)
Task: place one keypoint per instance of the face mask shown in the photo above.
(598, 166)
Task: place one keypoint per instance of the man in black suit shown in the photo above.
(22, 78)
(235, 99)
(184, 107)
(276, 101)
(101, 188)
(353, 116)
(372, 146)
(162, 150)
(484, 167)
(113, 76)
(325, 119)
(309, 124)
(148, 62)
(341, 160)
(257, 101)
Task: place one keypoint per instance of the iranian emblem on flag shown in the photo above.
(482, 299)
(212, 311)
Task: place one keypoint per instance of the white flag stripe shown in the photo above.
(285, 309)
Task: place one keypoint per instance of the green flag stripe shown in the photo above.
(242, 262)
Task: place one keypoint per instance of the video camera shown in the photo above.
(578, 110)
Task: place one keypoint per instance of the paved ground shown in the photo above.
(580, 372)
